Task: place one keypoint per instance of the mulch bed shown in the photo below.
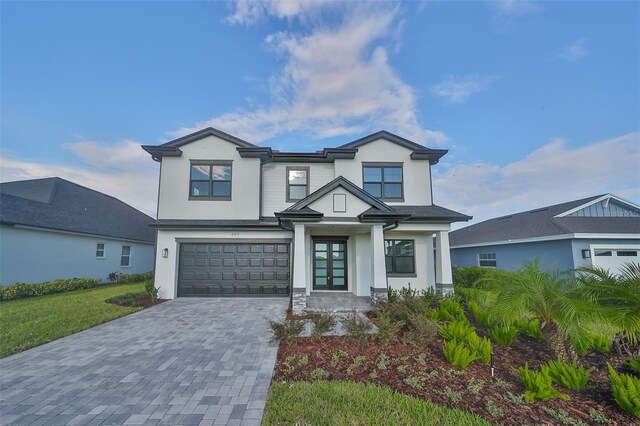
(423, 372)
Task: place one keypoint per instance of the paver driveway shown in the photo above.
(187, 361)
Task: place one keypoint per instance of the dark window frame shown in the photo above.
(125, 256)
(494, 260)
(210, 163)
(288, 185)
(382, 166)
(394, 256)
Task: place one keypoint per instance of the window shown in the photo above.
(399, 257)
(210, 180)
(383, 181)
(297, 183)
(629, 253)
(607, 253)
(487, 260)
(125, 258)
(100, 250)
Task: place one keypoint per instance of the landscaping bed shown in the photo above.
(423, 372)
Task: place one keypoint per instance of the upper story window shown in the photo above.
(297, 183)
(100, 250)
(210, 180)
(383, 180)
(487, 260)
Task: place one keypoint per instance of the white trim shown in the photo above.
(607, 197)
(552, 238)
(104, 251)
(128, 265)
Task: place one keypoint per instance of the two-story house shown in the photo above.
(236, 219)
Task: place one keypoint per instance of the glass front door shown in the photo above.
(329, 264)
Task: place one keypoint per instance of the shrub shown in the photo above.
(322, 323)
(358, 327)
(392, 295)
(581, 345)
(113, 277)
(318, 374)
(134, 278)
(456, 330)
(431, 297)
(634, 363)
(482, 316)
(504, 334)
(450, 310)
(129, 299)
(458, 354)
(626, 391)
(468, 277)
(538, 384)
(570, 376)
(388, 329)
(531, 329)
(23, 290)
(479, 346)
(286, 329)
(151, 289)
(600, 342)
(422, 330)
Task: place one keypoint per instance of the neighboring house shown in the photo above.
(52, 228)
(236, 219)
(603, 230)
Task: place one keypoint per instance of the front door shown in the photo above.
(329, 264)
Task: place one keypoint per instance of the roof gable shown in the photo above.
(419, 152)
(347, 185)
(544, 222)
(607, 205)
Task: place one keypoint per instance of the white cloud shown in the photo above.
(549, 175)
(122, 170)
(336, 79)
(250, 12)
(513, 8)
(575, 51)
(458, 89)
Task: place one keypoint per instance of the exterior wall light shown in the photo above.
(586, 253)
(165, 252)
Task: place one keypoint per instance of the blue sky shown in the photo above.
(538, 102)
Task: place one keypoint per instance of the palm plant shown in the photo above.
(548, 297)
(618, 296)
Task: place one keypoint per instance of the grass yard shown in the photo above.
(349, 403)
(31, 322)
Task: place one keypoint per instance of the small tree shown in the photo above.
(151, 290)
(548, 297)
(618, 296)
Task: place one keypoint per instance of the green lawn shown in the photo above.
(349, 403)
(26, 323)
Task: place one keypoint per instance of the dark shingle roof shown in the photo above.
(55, 203)
(542, 223)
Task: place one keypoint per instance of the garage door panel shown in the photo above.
(614, 258)
(228, 269)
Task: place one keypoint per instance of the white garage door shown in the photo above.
(615, 257)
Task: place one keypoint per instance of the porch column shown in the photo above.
(299, 290)
(444, 279)
(378, 267)
(431, 264)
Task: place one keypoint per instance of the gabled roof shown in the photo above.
(378, 212)
(347, 185)
(171, 149)
(58, 204)
(420, 152)
(547, 221)
(249, 150)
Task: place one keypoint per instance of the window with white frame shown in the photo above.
(100, 250)
(487, 260)
(125, 257)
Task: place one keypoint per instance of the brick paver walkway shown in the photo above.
(184, 362)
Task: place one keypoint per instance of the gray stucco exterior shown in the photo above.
(562, 255)
(552, 254)
(34, 255)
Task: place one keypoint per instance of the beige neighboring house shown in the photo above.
(236, 219)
